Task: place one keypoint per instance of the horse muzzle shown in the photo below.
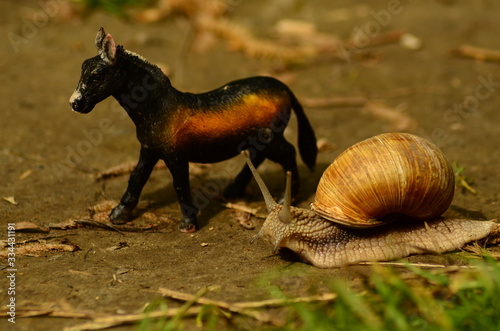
(77, 103)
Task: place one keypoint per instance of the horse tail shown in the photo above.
(308, 148)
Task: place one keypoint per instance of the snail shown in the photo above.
(380, 200)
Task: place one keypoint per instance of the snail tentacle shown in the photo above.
(285, 216)
(268, 198)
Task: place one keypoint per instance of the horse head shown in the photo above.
(99, 78)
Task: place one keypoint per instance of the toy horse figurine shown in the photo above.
(180, 127)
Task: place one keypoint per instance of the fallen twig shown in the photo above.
(120, 228)
(461, 180)
(380, 39)
(92, 224)
(35, 312)
(100, 321)
(478, 53)
(419, 265)
(105, 322)
(246, 209)
(401, 121)
(247, 304)
(127, 167)
(296, 40)
(241, 39)
(116, 320)
(88, 223)
(248, 308)
(122, 169)
(333, 102)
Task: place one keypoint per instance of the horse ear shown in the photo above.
(106, 46)
(99, 38)
(108, 51)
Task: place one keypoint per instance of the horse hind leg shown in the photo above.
(236, 189)
(278, 150)
(283, 153)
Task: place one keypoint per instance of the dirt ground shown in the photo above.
(49, 155)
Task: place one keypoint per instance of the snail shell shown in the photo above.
(380, 178)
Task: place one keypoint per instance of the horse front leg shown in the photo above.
(138, 178)
(180, 176)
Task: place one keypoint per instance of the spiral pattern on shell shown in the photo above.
(385, 176)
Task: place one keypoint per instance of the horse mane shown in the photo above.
(140, 61)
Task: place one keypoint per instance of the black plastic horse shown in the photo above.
(249, 114)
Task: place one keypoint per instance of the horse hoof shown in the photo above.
(188, 228)
(118, 221)
(119, 215)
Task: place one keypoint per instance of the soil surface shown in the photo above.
(49, 155)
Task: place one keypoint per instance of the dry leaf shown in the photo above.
(245, 221)
(33, 247)
(25, 174)
(325, 146)
(103, 206)
(11, 200)
(68, 224)
(30, 227)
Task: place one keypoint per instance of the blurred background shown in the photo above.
(359, 69)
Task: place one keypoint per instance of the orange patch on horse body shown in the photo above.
(194, 128)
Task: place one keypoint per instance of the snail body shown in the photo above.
(380, 200)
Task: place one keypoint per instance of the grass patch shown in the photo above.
(420, 300)
(449, 298)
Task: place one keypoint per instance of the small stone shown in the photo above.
(410, 42)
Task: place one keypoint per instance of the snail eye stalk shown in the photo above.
(270, 203)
